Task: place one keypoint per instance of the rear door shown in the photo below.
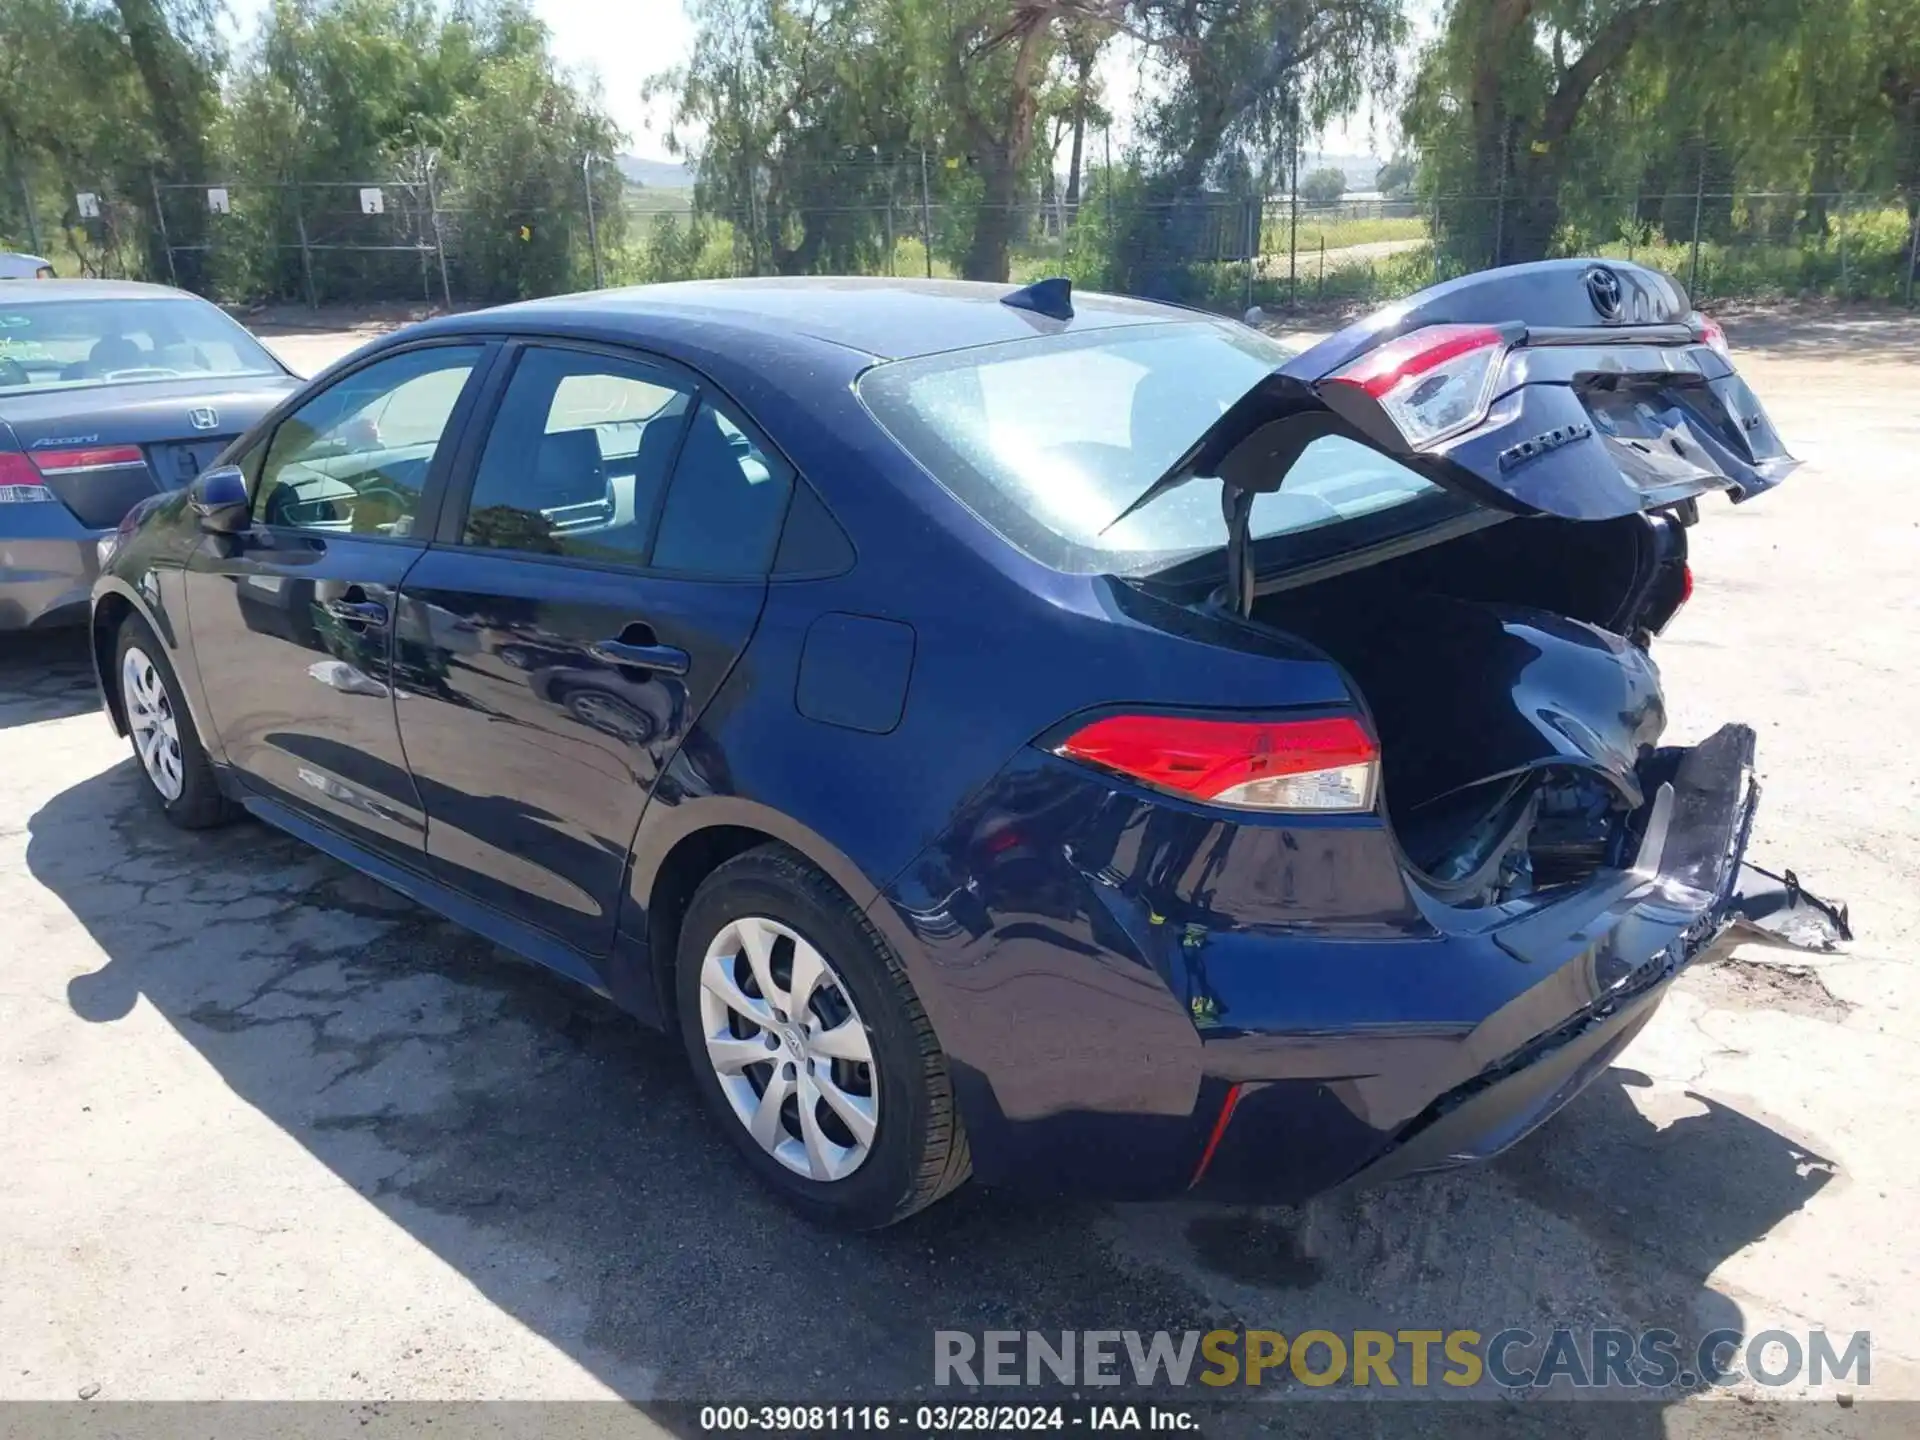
(292, 620)
(581, 606)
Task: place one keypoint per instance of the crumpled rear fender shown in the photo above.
(1690, 897)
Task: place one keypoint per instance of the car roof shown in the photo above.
(884, 318)
(48, 291)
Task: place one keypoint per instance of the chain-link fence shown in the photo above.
(348, 239)
(402, 238)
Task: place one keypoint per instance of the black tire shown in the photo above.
(919, 1151)
(200, 805)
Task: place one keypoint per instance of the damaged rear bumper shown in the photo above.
(1140, 1000)
(1689, 896)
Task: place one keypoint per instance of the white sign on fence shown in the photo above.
(217, 201)
(373, 201)
(89, 205)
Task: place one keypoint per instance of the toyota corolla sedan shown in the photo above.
(110, 392)
(1059, 738)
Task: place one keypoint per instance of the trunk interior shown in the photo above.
(1517, 709)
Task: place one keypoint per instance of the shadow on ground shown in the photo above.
(1811, 330)
(553, 1153)
(45, 675)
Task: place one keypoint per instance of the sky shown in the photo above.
(622, 42)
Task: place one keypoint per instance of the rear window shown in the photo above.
(1049, 439)
(77, 343)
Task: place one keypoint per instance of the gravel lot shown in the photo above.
(272, 1132)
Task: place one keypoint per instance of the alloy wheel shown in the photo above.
(156, 734)
(791, 1054)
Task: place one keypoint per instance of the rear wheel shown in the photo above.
(810, 1047)
(178, 776)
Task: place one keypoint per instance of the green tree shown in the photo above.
(100, 97)
(1249, 77)
(1323, 186)
(464, 109)
(1083, 43)
(1395, 179)
(1516, 100)
(807, 114)
(518, 146)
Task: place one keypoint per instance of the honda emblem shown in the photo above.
(203, 417)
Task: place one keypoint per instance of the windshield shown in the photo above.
(1047, 440)
(76, 343)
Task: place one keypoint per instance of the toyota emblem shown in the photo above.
(203, 417)
(1604, 290)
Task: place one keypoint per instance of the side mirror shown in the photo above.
(219, 498)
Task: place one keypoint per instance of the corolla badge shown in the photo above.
(203, 417)
(1604, 290)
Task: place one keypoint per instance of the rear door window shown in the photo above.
(577, 460)
(727, 501)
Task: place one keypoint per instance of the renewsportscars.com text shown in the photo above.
(1513, 1358)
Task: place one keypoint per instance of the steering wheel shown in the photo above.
(12, 372)
(386, 505)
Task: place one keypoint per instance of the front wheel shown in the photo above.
(810, 1047)
(179, 777)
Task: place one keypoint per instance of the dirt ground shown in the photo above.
(272, 1132)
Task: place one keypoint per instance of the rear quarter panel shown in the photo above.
(1059, 1008)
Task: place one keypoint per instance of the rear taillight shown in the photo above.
(1434, 382)
(92, 457)
(1686, 585)
(1325, 765)
(20, 483)
(1714, 336)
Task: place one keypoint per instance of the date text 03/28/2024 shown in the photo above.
(941, 1419)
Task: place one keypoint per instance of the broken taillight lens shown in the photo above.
(1328, 764)
(1714, 336)
(1435, 382)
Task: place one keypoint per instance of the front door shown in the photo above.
(596, 589)
(293, 620)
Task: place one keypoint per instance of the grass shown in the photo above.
(1336, 232)
(655, 200)
(910, 259)
(1864, 257)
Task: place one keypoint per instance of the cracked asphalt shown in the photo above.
(269, 1131)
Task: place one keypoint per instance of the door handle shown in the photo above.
(356, 612)
(661, 659)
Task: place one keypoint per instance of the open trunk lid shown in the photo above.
(1571, 388)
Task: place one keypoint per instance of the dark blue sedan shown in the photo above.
(1064, 739)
